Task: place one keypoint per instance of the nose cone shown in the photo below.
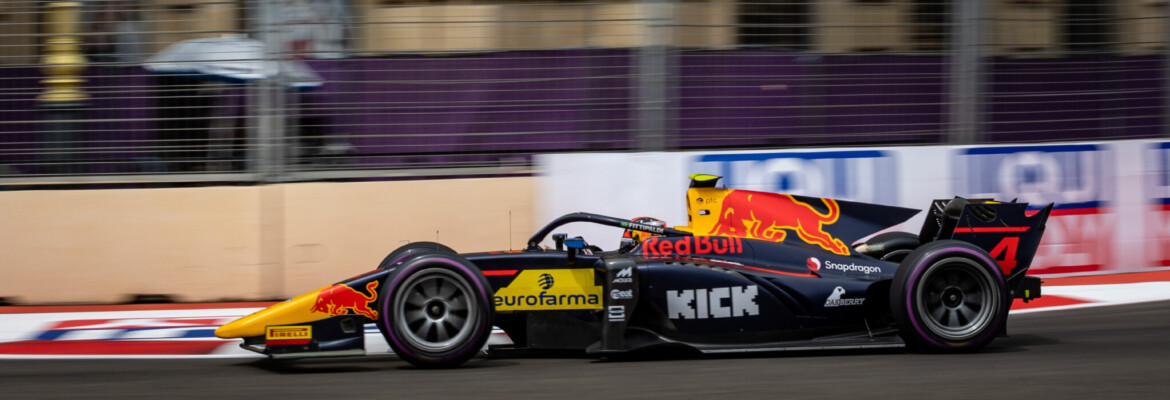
(296, 310)
(239, 328)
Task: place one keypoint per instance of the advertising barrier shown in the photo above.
(1111, 199)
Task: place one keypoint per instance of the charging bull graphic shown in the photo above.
(338, 298)
(766, 216)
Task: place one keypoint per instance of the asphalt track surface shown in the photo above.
(1104, 352)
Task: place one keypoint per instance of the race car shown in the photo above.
(751, 271)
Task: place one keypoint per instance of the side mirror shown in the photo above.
(575, 246)
(559, 239)
(627, 244)
(575, 243)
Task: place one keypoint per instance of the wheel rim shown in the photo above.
(956, 299)
(434, 310)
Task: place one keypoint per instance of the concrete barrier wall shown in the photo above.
(264, 242)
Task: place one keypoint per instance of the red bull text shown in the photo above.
(766, 216)
(340, 299)
(692, 245)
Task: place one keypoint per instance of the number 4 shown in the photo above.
(1007, 246)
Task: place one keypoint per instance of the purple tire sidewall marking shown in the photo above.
(408, 254)
(402, 275)
(914, 279)
(400, 258)
(405, 255)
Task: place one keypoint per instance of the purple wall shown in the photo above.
(766, 98)
(416, 109)
(1075, 99)
(118, 115)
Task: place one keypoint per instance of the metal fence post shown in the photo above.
(652, 75)
(268, 100)
(965, 63)
(1166, 71)
(63, 98)
(266, 141)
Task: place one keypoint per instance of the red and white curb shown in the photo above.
(1081, 296)
(165, 333)
(186, 331)
(119, 334)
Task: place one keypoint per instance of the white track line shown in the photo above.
(1105, 295)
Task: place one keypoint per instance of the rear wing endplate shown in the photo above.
(1007, 231)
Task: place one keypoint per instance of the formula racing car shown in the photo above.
(751, 271)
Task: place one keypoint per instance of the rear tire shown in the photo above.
(436, 310)
(413, 249)
(949, 296)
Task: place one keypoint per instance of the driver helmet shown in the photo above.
(639, 236)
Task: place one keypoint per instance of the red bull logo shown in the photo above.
(770, 216)
(340, 299)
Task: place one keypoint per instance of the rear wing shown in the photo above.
(1005, 230)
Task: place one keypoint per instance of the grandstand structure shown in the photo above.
(414, 88)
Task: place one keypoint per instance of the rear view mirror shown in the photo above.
(575, 243)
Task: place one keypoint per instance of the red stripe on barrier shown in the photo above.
(1075, 211)
(130, 323)
(1066, 269)
(129, 307)
(1152, 276)
(111, 347)
(994, 229)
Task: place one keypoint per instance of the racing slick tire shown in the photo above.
(413, 249)
(406, 252)
(949, 296)
(436, 310)
(895, 246)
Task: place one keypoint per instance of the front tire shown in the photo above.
(949, 296)
(412, 249)
(436, 311)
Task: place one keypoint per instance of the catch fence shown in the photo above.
(357, 89)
